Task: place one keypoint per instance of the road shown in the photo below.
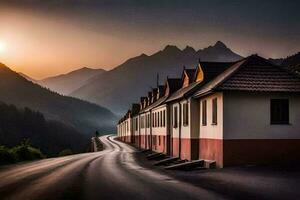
(113, 173)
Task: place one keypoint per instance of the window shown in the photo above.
(279, 111)
(214, 111)
(160, 118)
(152, 120)
(157, 119)
(175, 117)
(143, 121)
(159, 140)
(164, 118)
(204, 113)
(185, 114)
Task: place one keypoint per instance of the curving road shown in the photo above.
(110, 174)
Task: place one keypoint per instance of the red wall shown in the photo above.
(189, 148)
(254, 151)
(211, 149)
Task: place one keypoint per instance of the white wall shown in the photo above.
(185, 130)
(142, 130)
(160, 130)
(174, 131)
(135, 132)
(247, 116)
(211, 131)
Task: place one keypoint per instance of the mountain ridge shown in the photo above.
(114, 89)
(84, 116)
(68, 82)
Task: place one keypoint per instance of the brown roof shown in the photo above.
(135, 109)
(254, 73)
(210, 71)
(191, 74)
(174, 84)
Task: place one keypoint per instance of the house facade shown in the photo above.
(236, 113)
(249, 115)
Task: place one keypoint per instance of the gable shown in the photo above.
(199, 74)
(167, 89)
(186, 80)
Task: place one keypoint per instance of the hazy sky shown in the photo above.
(47, 37)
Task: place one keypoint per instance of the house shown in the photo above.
(233, 113)
(135, 135)
(124, 128)
(249, 114)
(161, 117)
(145, 128)
(184, 127)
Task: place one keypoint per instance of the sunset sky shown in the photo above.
(43, 38)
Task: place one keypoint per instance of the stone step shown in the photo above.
(166, 161)
(159, 156)
(209, 164)
(153, 155)
(186, 165)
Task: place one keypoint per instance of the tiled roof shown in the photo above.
(135, 109)
(210, 71)
(159, 102)
(191, 74)
(254, 73)
(174, 84)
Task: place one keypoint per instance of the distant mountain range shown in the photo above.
(117, 88)
(51, 137)
(83, 116)
(28, 78)
(292, 62)
(67, 83)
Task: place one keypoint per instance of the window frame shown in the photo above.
(185, 114)
(175, 117)
(281, 114)
(204, 112)
(214, 114)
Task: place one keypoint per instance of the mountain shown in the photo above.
(118, 88)
(292, 62)
(67, 83)
(85, 117)
(51, 137)
(27, 77)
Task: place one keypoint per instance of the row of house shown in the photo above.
(233, 113)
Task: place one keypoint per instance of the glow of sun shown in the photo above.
(2, 46)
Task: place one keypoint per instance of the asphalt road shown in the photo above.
(110, 174)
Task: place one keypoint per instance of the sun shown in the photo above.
(2, 46)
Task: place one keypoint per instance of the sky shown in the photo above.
(43, 38)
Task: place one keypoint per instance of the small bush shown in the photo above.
(6, 156)
(25, 152)
(65, 152)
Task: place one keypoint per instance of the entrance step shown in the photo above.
(186, 165)
(209, 164)
(154, 155)
(146, 151)
(166, 161)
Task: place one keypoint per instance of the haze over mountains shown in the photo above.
(83, 116)
(67, 83)
(117, 88)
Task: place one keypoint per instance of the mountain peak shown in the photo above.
(220, 44)
(171, 48)
(189, 49)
